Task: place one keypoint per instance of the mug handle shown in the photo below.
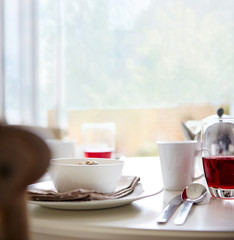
(202, 174)
(198, 177)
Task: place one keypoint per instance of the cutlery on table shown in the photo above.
(194, 193)
(169, 209)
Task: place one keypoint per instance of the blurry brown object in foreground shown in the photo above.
(24, 157)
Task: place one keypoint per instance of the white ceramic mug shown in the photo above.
(62, 148)
(177, 160)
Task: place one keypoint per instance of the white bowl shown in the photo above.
(67, 175)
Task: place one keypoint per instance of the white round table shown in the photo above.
(212, 219)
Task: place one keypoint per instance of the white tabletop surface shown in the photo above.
(212, 219)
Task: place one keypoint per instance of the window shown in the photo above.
(128, 61)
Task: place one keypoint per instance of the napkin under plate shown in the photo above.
(45, 191)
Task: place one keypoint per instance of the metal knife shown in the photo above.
(169, 209)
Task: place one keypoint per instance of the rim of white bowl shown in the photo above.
(56, 161)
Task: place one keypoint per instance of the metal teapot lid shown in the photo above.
(219, 131)
(219, 115)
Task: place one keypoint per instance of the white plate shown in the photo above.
(137, 194)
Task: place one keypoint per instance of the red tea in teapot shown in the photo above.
(219, 171)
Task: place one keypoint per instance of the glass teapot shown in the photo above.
(217, 145)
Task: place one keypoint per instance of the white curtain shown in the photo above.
(20, 61)
(20, 72)
(2, 92)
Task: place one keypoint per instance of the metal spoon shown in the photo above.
(194, 193)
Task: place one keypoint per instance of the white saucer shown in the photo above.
(137, 194)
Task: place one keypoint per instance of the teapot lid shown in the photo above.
(219, 129)
(218, 116)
